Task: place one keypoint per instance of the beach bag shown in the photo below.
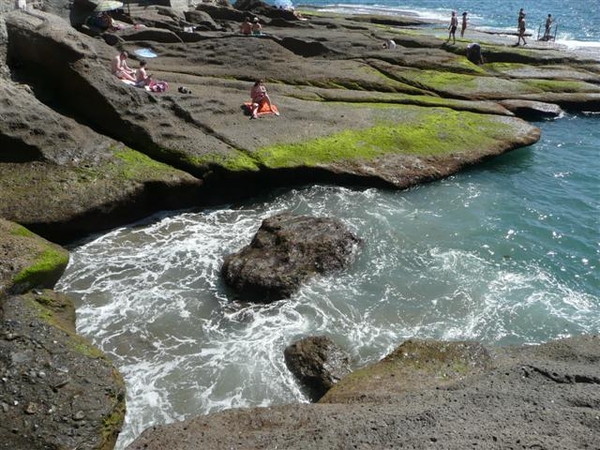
(159, 86)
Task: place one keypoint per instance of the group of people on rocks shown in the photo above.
(521, 27)
(454, 26)
(253, 28)
(474, 49)
(260, 100)
(140, 77)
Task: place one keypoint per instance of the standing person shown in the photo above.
(464, 24)
(521, 15)
(549, 22)
(120, 69)
(452, 28)
(521, 30)
(259, 95)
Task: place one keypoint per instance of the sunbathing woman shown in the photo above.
(259, 96)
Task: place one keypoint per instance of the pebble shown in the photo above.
(79, 415)
(31, 408)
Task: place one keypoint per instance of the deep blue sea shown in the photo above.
(505, 253)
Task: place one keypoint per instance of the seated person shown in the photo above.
(120, 69)
(256, 27)
(246, 27)
(142, 78)
(259, 95)
(474, 53)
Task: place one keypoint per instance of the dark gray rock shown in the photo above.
(264, 9)
(318, 363)
(201, 18)
(219, 13)
(286, 251)
(57, 390)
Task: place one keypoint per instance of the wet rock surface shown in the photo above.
(286, 251)
(318, 363)
(544, 396)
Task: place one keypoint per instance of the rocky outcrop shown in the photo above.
(285, 252)
(352, 114)
(56, 389)
(28, 261)
(318, 363)
(81, 152)
(264, 9)
(413, 366)
(531, 110)
(450, 395)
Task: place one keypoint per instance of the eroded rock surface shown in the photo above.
(57, 390)
(352, 113)
(544, 396)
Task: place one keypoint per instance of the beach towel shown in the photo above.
(263, 109)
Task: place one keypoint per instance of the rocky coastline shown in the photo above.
(81, 152)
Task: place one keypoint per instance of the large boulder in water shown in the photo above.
(286, 251)
(318, 363)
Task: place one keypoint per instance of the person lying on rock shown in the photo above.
(259, 95)
(120, 69)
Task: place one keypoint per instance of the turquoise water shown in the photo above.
(577, 20)
(505, 253)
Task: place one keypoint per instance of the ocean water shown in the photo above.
(505, 253)
(577, 21)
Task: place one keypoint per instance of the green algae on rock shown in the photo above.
(27, 260)
(421, 132)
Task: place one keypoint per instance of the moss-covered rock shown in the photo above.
(28, 261)
(412, 366)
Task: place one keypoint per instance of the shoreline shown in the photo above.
(352, 114)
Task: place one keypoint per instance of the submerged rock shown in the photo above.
(286, 251)
(318, 363)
